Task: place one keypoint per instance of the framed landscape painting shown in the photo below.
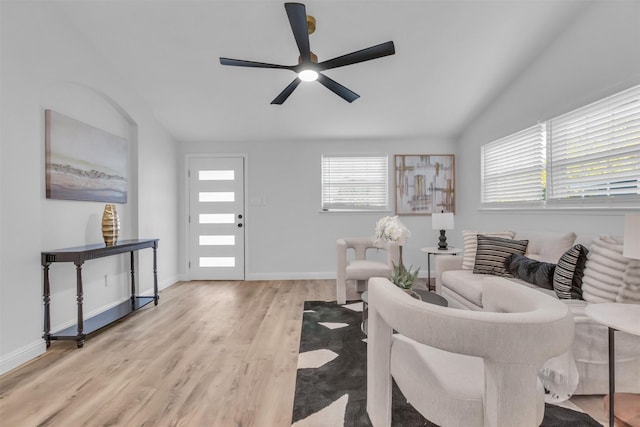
(83, 162)
(424, 184)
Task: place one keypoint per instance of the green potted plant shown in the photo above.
(403, 277)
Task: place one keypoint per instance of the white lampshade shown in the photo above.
(631, 247)
(442, 221)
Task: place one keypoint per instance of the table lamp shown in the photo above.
(631, 248)
(442, 221)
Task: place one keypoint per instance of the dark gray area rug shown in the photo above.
(333, 332)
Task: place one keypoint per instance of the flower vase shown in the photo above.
(110, 225)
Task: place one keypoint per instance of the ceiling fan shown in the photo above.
(308, 67)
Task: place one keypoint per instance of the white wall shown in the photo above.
(595, 57)
(288, 237)
(46, 64)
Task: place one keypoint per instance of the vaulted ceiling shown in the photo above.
(452, 59)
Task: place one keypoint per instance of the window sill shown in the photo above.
(354, 211)
(555, 210)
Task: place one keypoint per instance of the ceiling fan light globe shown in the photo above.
(308, 75)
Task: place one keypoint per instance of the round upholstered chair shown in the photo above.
(461, 367)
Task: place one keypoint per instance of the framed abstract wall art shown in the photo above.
(424, 184)
(83, 162)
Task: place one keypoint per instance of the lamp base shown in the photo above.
(442, 244)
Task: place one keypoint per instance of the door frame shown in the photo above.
(185, 210)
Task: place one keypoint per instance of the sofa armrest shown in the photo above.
(446, 263)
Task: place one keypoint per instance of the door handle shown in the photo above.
(240, 225)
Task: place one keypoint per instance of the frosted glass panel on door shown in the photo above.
(217, 240)
(218, 196)
(217, 262)
(217, 218)
(216, 175)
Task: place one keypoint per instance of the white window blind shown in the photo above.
(513, 168)
(595, 150)
(355, 183)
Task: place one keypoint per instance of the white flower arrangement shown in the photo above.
(391, 229)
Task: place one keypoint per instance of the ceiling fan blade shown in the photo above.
(337, 88)
(373, 52)
(243, 63)
(297, 14)
(286, 92)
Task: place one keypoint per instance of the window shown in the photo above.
(357, 183)
(513, 168)
(585, 157)
(595, 150)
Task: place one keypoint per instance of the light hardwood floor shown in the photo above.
(210, 354)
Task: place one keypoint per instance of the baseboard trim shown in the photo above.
(30, 351)
(290, 276)
(304, 276)
(22, 356)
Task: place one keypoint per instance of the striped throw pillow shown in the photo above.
(492, 253)
(567, 279)
(470, 244)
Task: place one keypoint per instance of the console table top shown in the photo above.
(82, 253)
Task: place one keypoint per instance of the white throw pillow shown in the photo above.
(630, 291)
(546, 246)
(470, 244)
(609, 276)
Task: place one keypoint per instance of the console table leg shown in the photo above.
(80, 297)
(46, 292)
(155, 274)
(133, 279)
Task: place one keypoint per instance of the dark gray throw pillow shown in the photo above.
(567, 279)
(531, 271)
(492, 251)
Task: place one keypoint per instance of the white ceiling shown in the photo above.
(452, 59)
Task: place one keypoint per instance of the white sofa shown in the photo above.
(463, 289)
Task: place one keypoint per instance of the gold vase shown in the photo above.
(110, 225)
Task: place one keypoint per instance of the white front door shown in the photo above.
(216, 218)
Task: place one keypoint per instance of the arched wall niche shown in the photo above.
(66, 223)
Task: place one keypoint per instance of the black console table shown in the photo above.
(78, 255)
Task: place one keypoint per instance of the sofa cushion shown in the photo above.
(470, 245)
(493, 251)
(546, 246)
(567, 279)
(530, 270)
(604, 274)
(466, 284)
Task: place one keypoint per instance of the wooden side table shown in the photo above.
(433, 250)
(617, 317)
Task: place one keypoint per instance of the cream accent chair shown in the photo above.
(360, 269)
(462, 367)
